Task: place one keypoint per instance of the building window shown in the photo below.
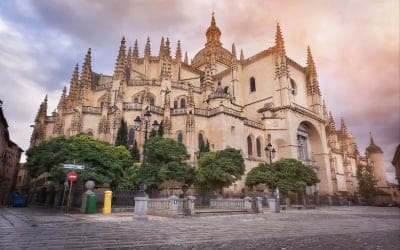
(183, 103)
(258, 146)
(131, 137)
(226, 90)
(175, 104)
(302, 142)
(180, 137)
(252, 84)
(249, 146)
(293, 85)
(151, 101)
(135, 100)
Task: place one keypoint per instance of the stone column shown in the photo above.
(274, 207)
(141, 207)
(191, 200)
(247, 203)
(259, 208)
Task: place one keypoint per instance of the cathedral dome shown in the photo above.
(221, 54)
(373, 148)
(213, 47)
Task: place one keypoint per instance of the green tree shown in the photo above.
(366, 182)
(219, 169)
(135, 152)
(122, 134)
(166, 160)
(103, 163)
(287, 174)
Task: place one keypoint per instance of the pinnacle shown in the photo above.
(233, 50)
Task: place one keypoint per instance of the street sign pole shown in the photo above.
(69, 195)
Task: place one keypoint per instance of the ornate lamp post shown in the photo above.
(274, 203)
(137, 123)
(141, 199)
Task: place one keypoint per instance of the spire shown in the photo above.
(128, 64)
(186, 60)
(331, 122)
(61, 102)
(86, 74)
(121, 60)
(178, 53)
(213, 33)
(129, 58)
(135, 53)
(310, 63)
(147, 49)
(73, 95)
(311, 75)
(371, 139)
(42, 112)
(279, 43)
(343, 126)
(86, 78)
(233, 51)
(241, 55)
(162, 48)
(281, 67)
(168, 48)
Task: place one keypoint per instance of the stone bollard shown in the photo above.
(259, 208)
(89, 185)
(141, 207)
(274, 206)
(247, 203)
(107, 202)
(173, 206)
(191, 200)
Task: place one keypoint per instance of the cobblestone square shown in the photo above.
(355, 227)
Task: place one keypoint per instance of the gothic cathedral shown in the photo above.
(219, 97)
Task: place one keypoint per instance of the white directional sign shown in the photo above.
(73, 166)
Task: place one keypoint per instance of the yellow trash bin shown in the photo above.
(107, 202)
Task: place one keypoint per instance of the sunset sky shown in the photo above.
(355, 45)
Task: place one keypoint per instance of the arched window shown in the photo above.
(90, 133)
(180, 137)
(151, 101)
(258, 146)
(131, 137)
(201, 142)
(249, 146)
(302, 142)
(252, 84)
(135, 100)
(175, 104)
(183, 103)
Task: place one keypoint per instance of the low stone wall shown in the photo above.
(232, 204)
(172, 206)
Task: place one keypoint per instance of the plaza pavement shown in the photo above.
(356, 227)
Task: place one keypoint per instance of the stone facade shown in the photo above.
(10, 155)
(244, 103)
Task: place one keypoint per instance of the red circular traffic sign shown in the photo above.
(72, 176)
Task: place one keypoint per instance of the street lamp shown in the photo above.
(270, 152)
(138, 123)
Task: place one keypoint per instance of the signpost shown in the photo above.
(74, 166)
(72, 176)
